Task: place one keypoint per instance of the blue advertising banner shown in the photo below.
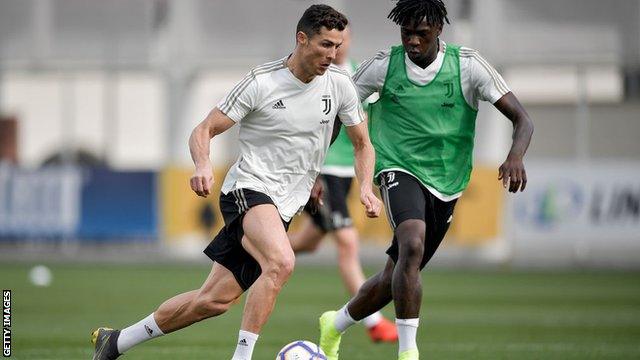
(118, 205)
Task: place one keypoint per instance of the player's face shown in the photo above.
(319, 51)
(420, 40)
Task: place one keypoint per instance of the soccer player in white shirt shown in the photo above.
(286, 111)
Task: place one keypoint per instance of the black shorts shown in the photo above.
(226, 247)
(334, 214)
(406, 198)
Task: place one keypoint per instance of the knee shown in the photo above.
(280, 268)
(348, 248)
(411, 248)
(205, 307)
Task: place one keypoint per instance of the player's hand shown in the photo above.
(512, 174)
(317, 192)
(371, 203)
(202, 180)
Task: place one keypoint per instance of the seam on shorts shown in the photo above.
(244, 199)
(239, 202)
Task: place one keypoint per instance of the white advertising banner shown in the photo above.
(570, 200)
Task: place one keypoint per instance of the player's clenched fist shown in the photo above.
(371, 203)
(202, 180)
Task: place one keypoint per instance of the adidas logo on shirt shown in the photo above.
(279, 105)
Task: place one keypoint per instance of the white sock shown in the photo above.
(246, 342)
(407, 329)
(145, 329)
(343, 319)
(372, 320)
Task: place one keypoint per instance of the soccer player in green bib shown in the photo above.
(423, 129)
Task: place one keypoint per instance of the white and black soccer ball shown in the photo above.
(301, 350)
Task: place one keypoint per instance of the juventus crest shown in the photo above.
(326, 101)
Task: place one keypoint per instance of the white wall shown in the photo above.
(59, 110)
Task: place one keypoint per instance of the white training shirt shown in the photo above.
(479, 80)
(285, 130)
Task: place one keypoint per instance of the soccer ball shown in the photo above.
(301, 350)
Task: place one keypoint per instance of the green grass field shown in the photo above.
(465, 315)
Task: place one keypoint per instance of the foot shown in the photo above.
(409, 355)
(106, 344)
(329, 335)
(383, 331)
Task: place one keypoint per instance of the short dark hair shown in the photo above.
(317, 16)
(434, 12)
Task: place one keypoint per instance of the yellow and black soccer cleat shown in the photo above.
(106, 343)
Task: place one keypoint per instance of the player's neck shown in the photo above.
(430, 58)
(295, 66)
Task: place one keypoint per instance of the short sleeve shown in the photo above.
(370, 76)
(485, 83)
(241, 100)
(350, 111)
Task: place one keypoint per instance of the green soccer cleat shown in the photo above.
(329, 335)
(412, 354)
(106, 343)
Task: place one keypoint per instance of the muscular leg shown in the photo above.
(400, 282)
(373, 295)
(267, 242)
(213, 298)
(307, 239)
(348, 259)
(406, 284)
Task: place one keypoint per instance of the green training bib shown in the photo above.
(427, 130)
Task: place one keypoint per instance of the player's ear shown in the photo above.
(439, 30)
(301, 38)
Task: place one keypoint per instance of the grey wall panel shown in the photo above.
(15, 29)
(93, 30)
(550, 31)
(614, 131)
